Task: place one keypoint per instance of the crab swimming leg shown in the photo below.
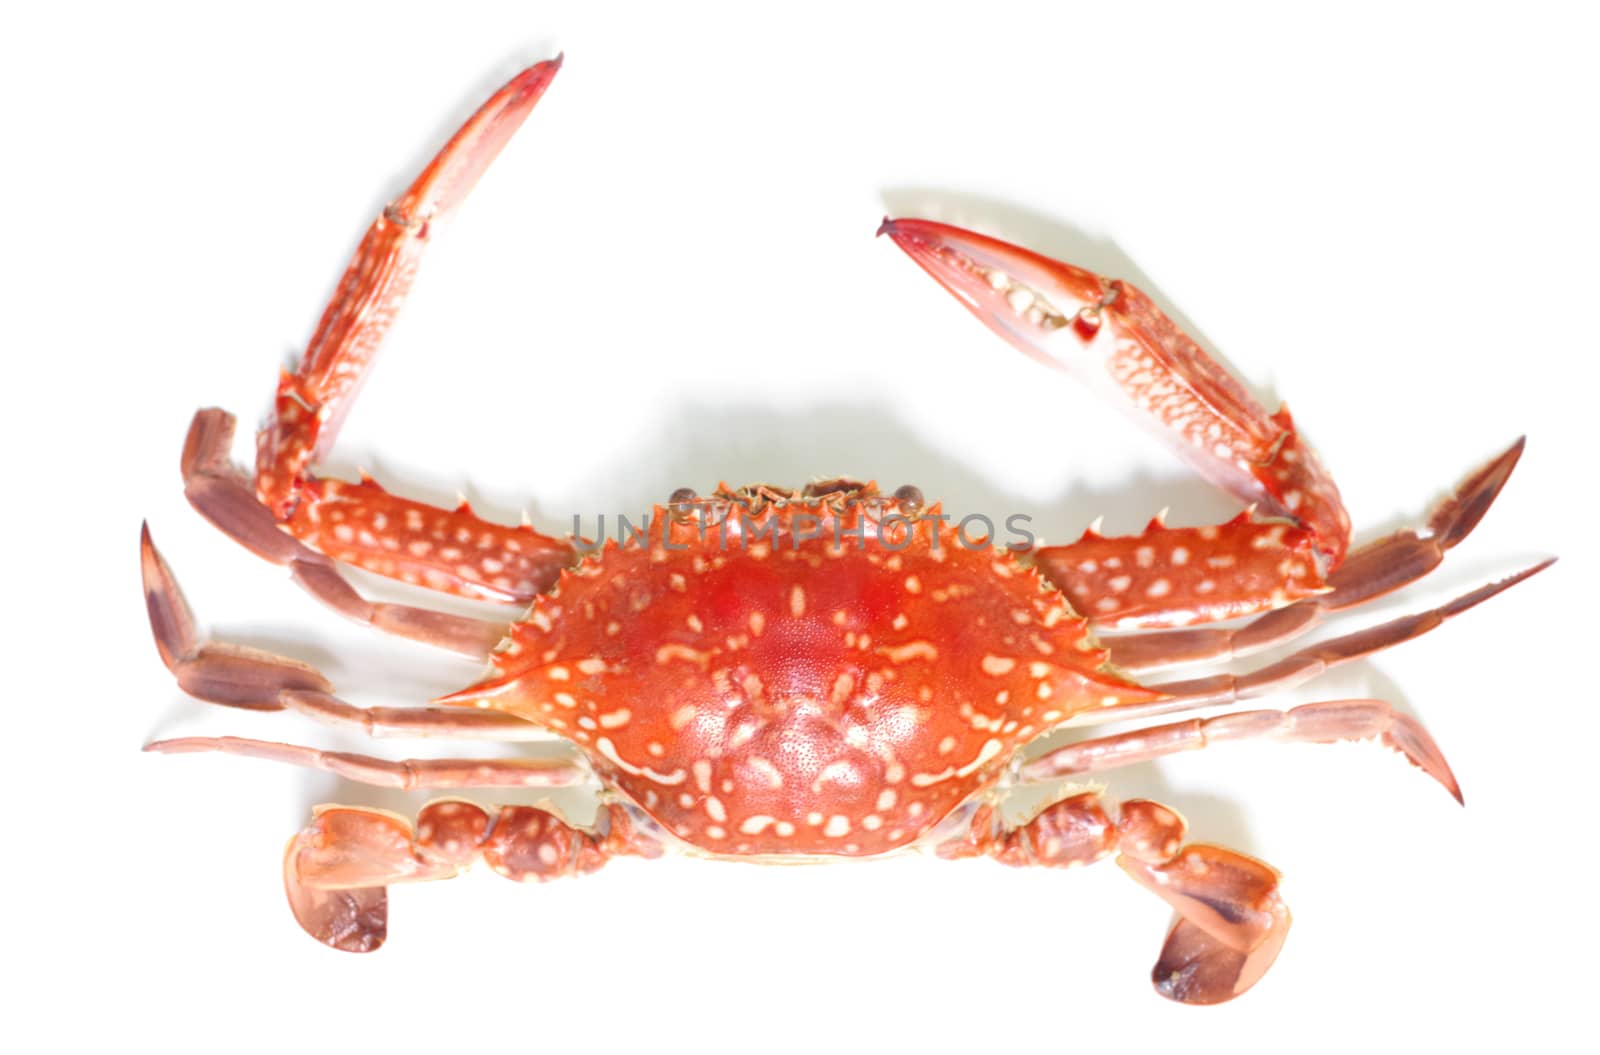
(360, 523)
(336, 870)
(1231, 920)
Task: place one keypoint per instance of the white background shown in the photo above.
(670, 277)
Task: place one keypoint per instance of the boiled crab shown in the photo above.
(822, 672)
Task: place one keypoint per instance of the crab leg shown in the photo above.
(217, 492)
(407, 774)
(360, 523)
(336, 870)
(1374, 570)
(1231, 921)
(1318, 723)
(1313, 660)
(236, 676)
(1301, 666)
(1110, 335)
(443, 722)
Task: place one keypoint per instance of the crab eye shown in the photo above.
(681, 499)
(909, 496)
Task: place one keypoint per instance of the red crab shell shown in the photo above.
(782, 674)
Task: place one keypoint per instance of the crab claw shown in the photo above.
(451, 175)
(1113, 338)
(1022, 296)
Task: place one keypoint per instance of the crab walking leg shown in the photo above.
(406, 774)
(336, 871)
(360, 523)
(1301, 666)
(1317, 723)
(219, 494)
(1374, 570)
(1313, 660)
(443, 722)
(1231, 921)
(1111, 336)
(236, 676)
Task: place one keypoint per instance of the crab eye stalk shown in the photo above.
(910, 497)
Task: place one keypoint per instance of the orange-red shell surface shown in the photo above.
(771, 674)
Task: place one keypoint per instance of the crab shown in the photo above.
(770, 673)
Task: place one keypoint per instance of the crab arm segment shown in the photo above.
(336, 871)
(360, 523)
(1317, 723)
(1375, 569)
(1171, 577)
(450, 550)
(313, 401)
(1231, 921)
(1111, 336)
(217, 493)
